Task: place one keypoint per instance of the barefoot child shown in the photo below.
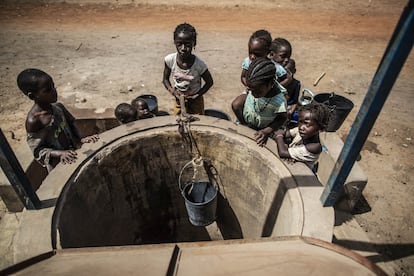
(187, 71)
(51, 133)
(125, 113)
(305, 145)
(264, 108)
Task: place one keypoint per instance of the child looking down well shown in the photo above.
(51, 133)
(264, 107)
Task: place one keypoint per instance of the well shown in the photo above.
(127, 192)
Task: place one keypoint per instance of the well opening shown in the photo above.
(127, 192)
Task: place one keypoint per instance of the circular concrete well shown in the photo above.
(126, 190)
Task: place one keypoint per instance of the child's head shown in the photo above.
(259, 44)
(260, 76)
(185, 39)
(142, 108)
(281, 50)
(291, 66)
(37, 85)
(125, 113)
(313, 117)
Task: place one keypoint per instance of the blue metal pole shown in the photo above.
(17, 177)
(390, 66)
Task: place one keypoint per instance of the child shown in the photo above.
(186, 70)
(293, 90)
(259, 47)
(51, 133)
(126, 113)
(305, 145)
(281, 51)
(142, 108)
(264, 108)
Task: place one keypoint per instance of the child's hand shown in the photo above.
(174, 92)
(193, 96)
(261, 138)
(90, 139)
(68, 156)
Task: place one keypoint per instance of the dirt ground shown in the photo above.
(98, 52)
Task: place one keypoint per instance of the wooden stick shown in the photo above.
(315, 83)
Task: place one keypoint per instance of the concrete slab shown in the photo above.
(348, 233)
(356, 180)
(281, 256)
(9, 226)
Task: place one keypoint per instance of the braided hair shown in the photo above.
(28, 80)
(261, 71)
(278, 43)
(319, 113)
(186, 28)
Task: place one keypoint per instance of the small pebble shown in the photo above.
(130, 88)
(408, 138)
(81, 100)
(405, 145)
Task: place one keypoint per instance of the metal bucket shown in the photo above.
(217, 113)
(339, 107)
(200, 200)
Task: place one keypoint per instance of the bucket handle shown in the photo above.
(181, 174)
(198, 162)
(332, 107)
(307, 97)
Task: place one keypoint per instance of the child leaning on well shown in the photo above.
(142, 108)
(51, 133)
(305, 145)
(264, 107)
(187, 71)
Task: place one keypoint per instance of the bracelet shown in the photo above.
(279, 135)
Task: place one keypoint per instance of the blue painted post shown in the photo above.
(17, 177)
(390, 66)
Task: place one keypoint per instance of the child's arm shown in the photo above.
(282, 148)
(208, 83)
(285, 79)
(71, 121)
(237, 106)
(44, 153)
(166, 81)
(243, 77)
(315, 148)
(262, 135)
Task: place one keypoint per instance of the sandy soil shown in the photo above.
(96, 51)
